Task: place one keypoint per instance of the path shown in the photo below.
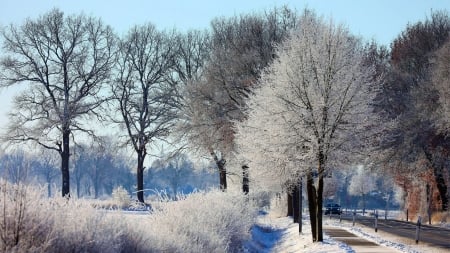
(358, 244)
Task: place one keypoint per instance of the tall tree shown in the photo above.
(63, 61)
(361, 184)
(146, 97)
(414, 100)
(99, 167)
(174, 171)
(45, 167)
(326, 88)
(193, 48)
(441, 82)
(241, 47)
(15, 166)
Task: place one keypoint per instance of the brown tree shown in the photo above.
(413, 100)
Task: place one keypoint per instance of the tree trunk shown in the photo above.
(49, 190)
(96, 188)
(140, 176)
(222, 171)
(289, 204)
(65, 154)
(320, 201)
(78, 183)
(300, 206)
(442, 189)
(364, 203)
(295, 203)
(245, 179)
(222, 175)
(312, 204)
(440, 181)
(315, 200)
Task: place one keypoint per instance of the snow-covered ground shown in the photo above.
(280, 234)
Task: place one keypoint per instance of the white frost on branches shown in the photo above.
(314, 99)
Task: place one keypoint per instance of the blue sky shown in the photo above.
(381, 20)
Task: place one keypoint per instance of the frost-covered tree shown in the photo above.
(241, 47)
(15, 167)
(362, 183)
(63, 63)
(324, 89)
(268, 144)
(331, 187)
(100, 167)
(174, 171)
(146, 97)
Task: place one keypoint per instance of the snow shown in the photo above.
(279, 234)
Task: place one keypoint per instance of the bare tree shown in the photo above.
(192, 53)
(64, 62)
(46, 167)
(16, 166)
(79, 168)
(146, 97)
(174, 171)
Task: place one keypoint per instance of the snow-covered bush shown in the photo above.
(22, 221)
(203, 222)
(32, 223)
(121, 197)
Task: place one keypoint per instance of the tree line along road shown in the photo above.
(434, 236)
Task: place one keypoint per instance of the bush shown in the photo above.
(23, 223)
(201, 222)
(31, 223)
(121, 197)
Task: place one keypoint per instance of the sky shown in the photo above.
(380, 20)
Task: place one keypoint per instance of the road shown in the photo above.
(435, 236)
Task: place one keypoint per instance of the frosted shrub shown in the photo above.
(203, 222)
(31, 223)
(121, 197)
(22, 221)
